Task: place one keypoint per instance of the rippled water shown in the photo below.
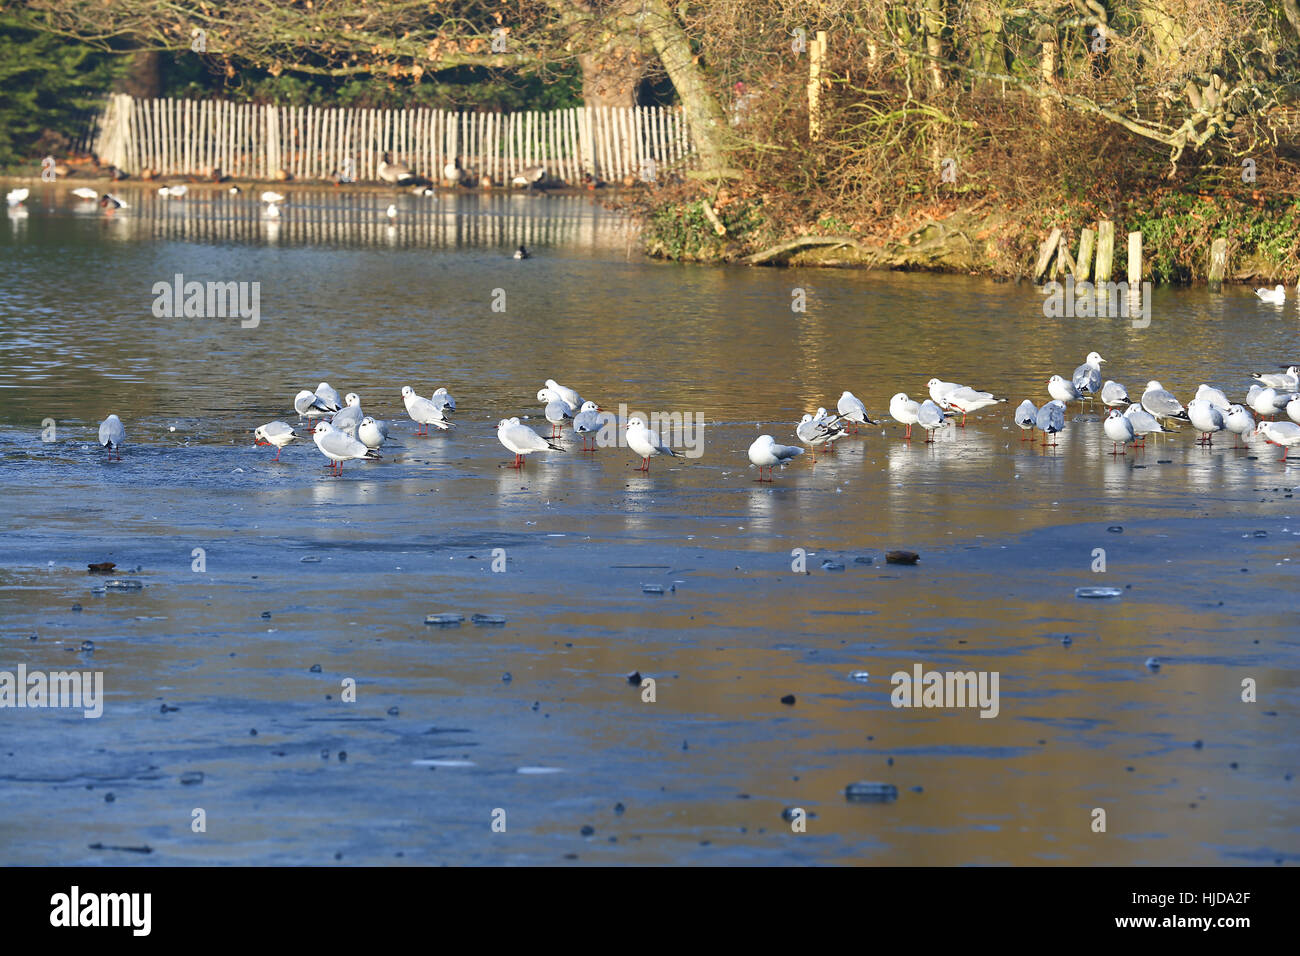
(1207, 559)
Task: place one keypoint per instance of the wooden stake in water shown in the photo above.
(1065, 261)
(1218, 263)
(1105, 250)
(1045, 253)
(1083, 268)
(1134, 259)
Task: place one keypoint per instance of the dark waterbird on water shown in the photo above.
(522, 253)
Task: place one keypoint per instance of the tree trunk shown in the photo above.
(1047, 77)
(1292, 12)
(703, 113)
(986, 16)
(144, 75)
(1164, 31)
(932, 20)
(612, 75)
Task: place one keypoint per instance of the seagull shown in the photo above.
(329, 397)
(557, 413)
(1289, 380)
(371, 433)
(349, 419)
(587, 424)
(1205, 418)
(1161, 403)
(766, 453)
(1283, 434)
(645, 443)
(571, 398)
(851, 409)
(391, 212)
(521, 440)
(423, 412)
(930, 416)
(938, 390)
(16, 197)
(173, 192)
(339, 447)
(442, 398)
(234, 190)
(830, 424)
(1144, 423)
(1113, 394)
(1061, 390)
(522, 253)
(1087, 377)
(1240, 422)
(112, 434)
(1273, 296)
(1051, 420)
(968, 400)
(85, 192)
(272, 197)
(309, 405)
(1212, 395)
(1027, 418)
(1293, 409)
(278, 434)
(904, 411)
(1268, 401)
(813, 433)
(1118, 429)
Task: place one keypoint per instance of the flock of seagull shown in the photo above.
(343, 432)
(1157, 410)
(348, 434)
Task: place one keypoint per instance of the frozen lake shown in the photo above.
(301, 569)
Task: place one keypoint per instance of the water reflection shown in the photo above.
(339, 217)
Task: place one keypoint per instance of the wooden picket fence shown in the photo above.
(179, 137)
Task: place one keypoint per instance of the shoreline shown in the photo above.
(966, 241)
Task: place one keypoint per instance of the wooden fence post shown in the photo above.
(1105, 250)
(1134, 259)
(1083, 268)
(1045, 253)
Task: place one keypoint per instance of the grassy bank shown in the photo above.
(1178, 228)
